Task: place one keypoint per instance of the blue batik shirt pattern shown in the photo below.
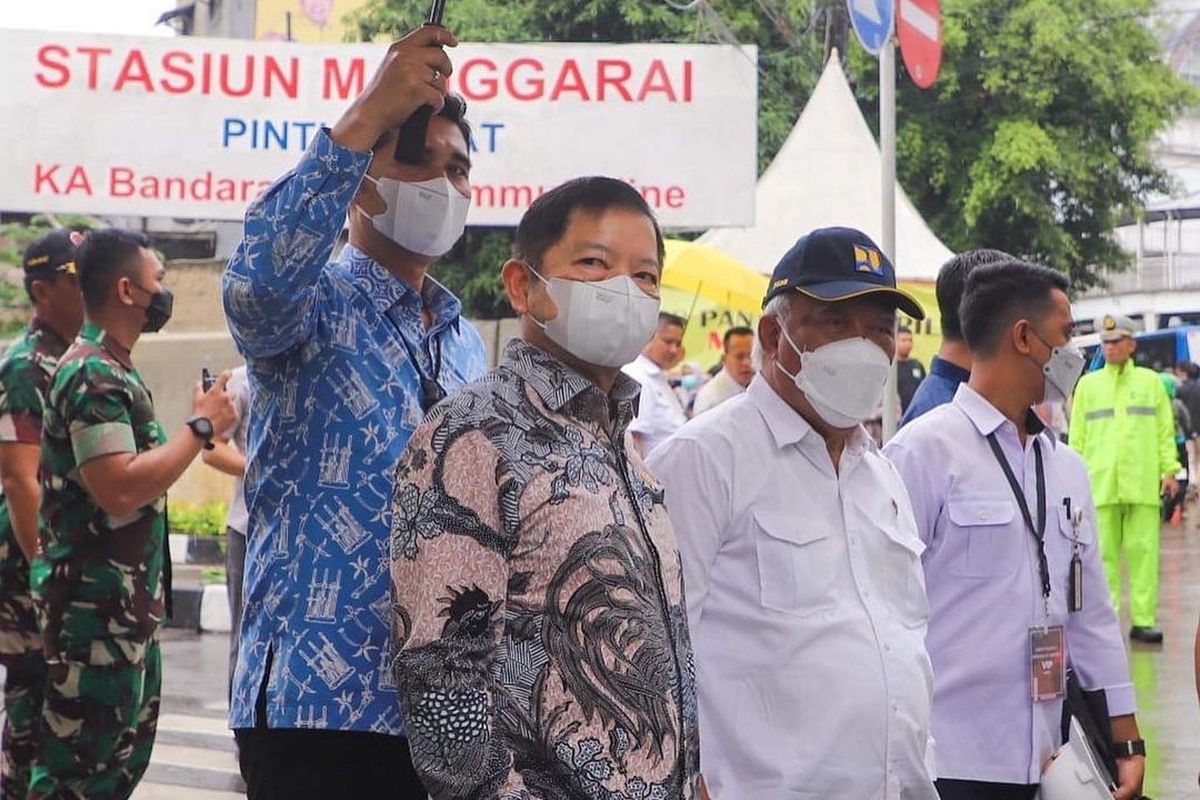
(330, 350)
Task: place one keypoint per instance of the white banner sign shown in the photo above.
(197, 128)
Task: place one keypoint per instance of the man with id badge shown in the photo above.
(1015, 582)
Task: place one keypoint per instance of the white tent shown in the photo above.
(828, 173)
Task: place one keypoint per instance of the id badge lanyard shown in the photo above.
(1075, 587)
(1038, 531)
(1047, 643)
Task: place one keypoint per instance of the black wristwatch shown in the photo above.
(1129, 749)
(202, 427)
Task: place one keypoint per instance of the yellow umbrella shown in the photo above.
(713, 291)
(707, 273)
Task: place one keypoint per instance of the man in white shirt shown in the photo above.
(659, 411)
(737, 370)
(1016, 585)
(801, 560)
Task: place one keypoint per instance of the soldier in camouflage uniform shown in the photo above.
(106, 468)
(25, 372)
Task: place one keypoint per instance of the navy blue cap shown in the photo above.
(54, 251)
(838, 264)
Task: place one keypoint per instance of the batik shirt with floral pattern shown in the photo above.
(539, 628)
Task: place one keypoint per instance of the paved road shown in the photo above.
(194, 757)
(1166, 693)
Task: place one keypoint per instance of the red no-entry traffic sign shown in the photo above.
(919, 28)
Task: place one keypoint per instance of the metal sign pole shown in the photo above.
(887, 146)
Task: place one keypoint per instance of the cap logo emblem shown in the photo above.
(867, 259)
(780, 282)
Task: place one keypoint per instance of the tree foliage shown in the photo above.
(14, 238)
(1037, 137)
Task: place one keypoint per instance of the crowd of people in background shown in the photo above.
(590, 571)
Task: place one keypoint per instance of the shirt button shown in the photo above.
(981, 514)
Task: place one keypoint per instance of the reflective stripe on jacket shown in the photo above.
(1122, 425)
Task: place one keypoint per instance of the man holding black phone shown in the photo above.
(345, 359)
(102, 581)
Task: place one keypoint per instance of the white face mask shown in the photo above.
(1061, 371)
(426, 218)
(843, 380)
(606, 323)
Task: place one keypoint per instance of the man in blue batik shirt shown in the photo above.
(344, 358)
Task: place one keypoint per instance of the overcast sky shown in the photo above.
(89, 16)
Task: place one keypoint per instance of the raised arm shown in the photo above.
(270, 287)
(119, 478)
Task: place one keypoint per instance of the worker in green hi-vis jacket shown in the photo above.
(1122, 425)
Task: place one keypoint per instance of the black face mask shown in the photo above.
(158, 313)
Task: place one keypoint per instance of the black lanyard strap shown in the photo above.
(1039, 533)
(432, 392)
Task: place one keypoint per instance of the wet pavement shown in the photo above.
(194, 756)
(194, 750)
(1168, 714)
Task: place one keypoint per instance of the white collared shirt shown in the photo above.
(981, 568)
(806, 604)
(721, 388)
(659, 411)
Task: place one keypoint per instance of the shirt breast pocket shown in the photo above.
(982, 531)
(795, 572)
(899, 572)
(1082, 532)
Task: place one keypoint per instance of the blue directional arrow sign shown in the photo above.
(872, 21)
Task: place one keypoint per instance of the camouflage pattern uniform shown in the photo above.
(24, 382)
(100, 585)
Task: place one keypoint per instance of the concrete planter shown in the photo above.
(214, 609)
(185, 607)
(201, 608)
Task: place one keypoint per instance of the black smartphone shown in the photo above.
(410, 144)
(206, 379)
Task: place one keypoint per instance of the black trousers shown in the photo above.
(979, 790)
(235, 568)
(286, 764)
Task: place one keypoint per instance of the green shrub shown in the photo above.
(212, 575)
(206, 519)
